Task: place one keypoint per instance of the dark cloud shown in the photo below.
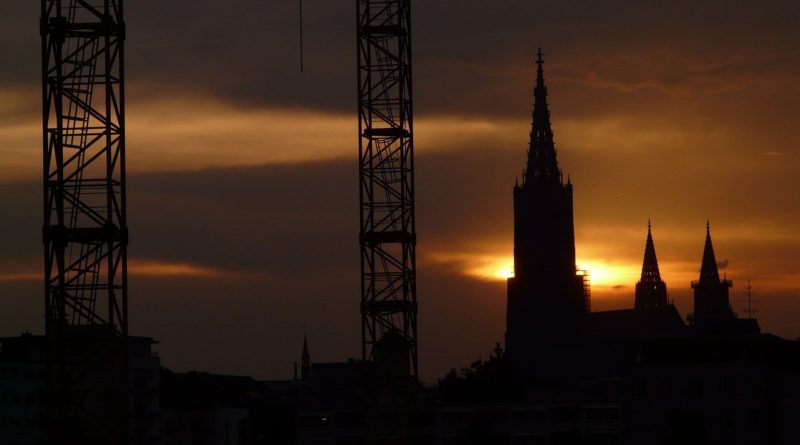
(466, 57)
(723, 264)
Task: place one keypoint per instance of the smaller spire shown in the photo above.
(651, 291)
(650, 272)
(306, 356)
(708, 269)
(305, 360)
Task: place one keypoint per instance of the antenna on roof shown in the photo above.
(748, 292)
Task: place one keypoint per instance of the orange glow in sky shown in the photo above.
(493, 268)
(153, 268)
(607, 274)
(170, 269)
(602, 273)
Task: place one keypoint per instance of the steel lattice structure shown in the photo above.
(85, 231)
(386, 149)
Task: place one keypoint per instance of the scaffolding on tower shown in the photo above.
(84, 232)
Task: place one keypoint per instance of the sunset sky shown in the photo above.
(243, 205)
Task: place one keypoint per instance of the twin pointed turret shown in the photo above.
(709, 270)
(542, 162)
(711, 301)
(651, 291)
(650, 271)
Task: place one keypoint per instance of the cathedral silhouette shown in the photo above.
(548, 313)
(642, 375)
(570, 375)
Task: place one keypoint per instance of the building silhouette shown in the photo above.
(711, 300)
(572, 376)
(546, 294)
(633, 376)
(24, 391)
(712, 309)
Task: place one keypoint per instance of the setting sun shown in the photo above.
(606, 274)
(494, 268)
(602, 273)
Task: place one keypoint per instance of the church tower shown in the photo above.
(712, 308)
(651, 291)
(711, 301)
(545, 296)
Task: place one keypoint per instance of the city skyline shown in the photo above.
(636, 128)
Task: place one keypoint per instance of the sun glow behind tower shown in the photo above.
(602, 273)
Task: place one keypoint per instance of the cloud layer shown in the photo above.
(222, 257)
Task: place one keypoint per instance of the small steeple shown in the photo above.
(542, 162)
(651, 291)
(708, 270)
(650, 271)
(305, 364)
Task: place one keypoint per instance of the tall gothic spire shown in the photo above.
(650, 273)
(708, 270)
(546, 298)
(542, 162)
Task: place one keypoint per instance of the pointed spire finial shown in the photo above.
(540, 73)
(539, 63)
(651, 291)
(708, 269)
(542, 162)
(650, 272)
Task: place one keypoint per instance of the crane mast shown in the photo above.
(85, 232)
(386, 165)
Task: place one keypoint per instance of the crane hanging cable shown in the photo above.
(301, 35)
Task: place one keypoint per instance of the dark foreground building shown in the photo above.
(23, 390)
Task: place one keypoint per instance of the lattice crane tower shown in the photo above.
(85, 233)
(386, 148)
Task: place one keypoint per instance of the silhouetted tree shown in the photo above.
(483, 381)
